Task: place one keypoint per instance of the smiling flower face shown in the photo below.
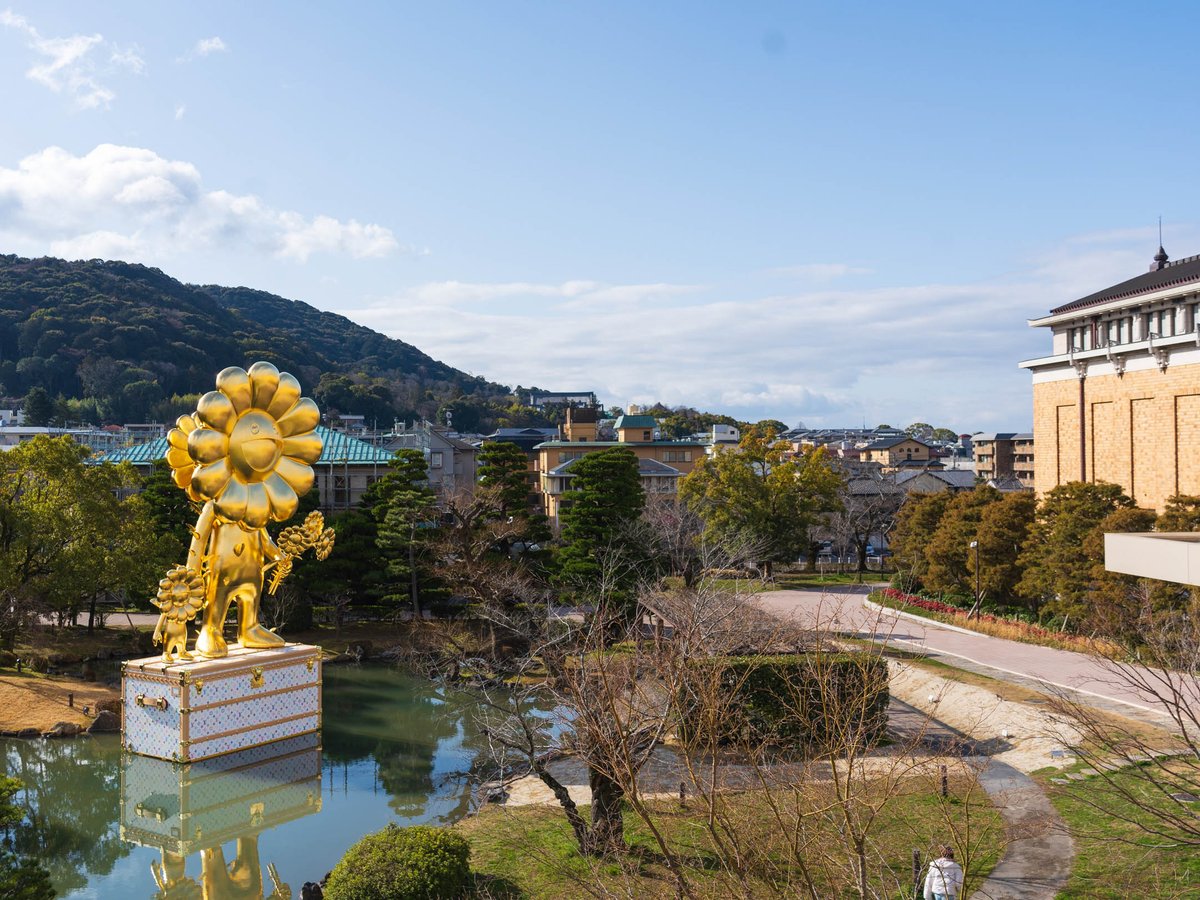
(249, 446)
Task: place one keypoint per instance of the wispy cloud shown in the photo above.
(205, 47)
(180, 111)
(937, 352)
(67, 65)
(131, 203)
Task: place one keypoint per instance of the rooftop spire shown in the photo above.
(1160, 258)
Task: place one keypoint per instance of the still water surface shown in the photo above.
(393, 749)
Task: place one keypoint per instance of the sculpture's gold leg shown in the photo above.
(211, 643)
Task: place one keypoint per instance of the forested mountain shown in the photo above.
(120, 342)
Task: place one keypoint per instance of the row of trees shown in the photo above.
(1039, 559)
(71, 534)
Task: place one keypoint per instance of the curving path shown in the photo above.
(844, 609)
(1037, 861)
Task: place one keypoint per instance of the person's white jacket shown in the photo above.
(945, 877)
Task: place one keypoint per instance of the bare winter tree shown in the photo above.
(870, 502)
(1146, 779)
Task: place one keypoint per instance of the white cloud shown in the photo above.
(205, 47)
(66, 65)
(132, 203)
(944, 353)
(179, 112)
(129, 58)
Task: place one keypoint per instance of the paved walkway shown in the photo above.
(1037, 861)
(1047, 669)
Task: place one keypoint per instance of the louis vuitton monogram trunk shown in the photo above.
(187, 711)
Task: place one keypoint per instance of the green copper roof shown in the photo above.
(636, 422)
(339, 448)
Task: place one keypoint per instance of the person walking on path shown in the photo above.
(944, 880)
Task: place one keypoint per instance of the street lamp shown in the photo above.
(978, 595)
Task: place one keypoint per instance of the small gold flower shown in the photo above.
(249, 447)
(180, 594)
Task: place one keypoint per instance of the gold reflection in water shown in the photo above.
(201, 808)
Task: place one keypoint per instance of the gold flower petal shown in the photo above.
(264, 379)
(209, 480)
(284, 500)
(298, 476)
(183, 477)
(179, 459)
(177, 437)
(258, 506)
(217, 412)
(231, 505)
(304, 447)
(234, 383)
(186, 423)
(286, 395)
(207, 446)
(302, 417)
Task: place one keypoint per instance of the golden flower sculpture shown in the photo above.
(180, 597)
(246, 455)
(249, 447)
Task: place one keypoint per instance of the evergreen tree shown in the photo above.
(916, 523)
(505, 466)
(599, 558)
(38, 407)
(404, 509)
(1058, 570)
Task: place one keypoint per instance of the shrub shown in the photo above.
(807, 701)
(417, 863)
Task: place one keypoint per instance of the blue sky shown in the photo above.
(820, 212)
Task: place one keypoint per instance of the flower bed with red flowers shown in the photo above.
(986, 623)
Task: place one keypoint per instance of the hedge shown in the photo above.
(416, 863)
(805, 701)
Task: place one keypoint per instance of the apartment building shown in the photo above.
(1004, 455)
(1117, 399)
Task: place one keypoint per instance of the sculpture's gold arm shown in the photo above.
(200, 535)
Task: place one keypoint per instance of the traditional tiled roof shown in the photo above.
(888, 443)
(1179, 272)
(339, 448)
(646, 467)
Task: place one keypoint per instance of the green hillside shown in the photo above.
(120, 342)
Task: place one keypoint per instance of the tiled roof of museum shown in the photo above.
(1181, 271)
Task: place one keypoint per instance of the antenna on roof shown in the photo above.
(1160, 231)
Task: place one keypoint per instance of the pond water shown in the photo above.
(110, 825)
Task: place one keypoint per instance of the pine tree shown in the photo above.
(599, 558)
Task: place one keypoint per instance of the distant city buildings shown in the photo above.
(1118, 397)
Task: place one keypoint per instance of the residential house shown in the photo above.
(897, 452)
(935, 481)
(451, 461)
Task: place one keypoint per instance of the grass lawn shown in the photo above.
(1117, 859)
(530, 852)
